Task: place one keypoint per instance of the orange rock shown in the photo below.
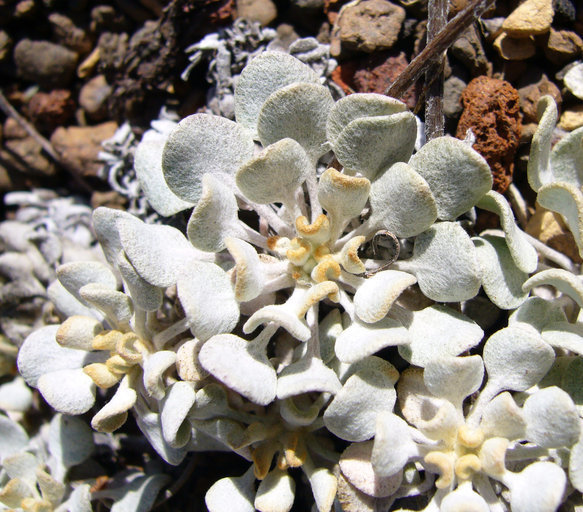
(492, 112)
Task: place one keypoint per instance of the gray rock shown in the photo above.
(50, 65)
(93, 98)
(366, 26)
(469, 51)
(452, 91)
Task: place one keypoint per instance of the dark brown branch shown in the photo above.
(437, 46)
(434, 76)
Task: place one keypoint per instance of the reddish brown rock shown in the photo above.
(49, 110)
(79, 146)
(374, 74)
(492, 112)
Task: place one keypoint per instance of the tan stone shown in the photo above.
(550, 229)
(572, 118)
(79, 146)
(263, 11)
(563, 46)
(510, 48)
(530, 18)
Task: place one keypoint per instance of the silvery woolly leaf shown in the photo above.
(200, 144)
(275, 492)
(454, 378)
(323, 484)
(330, 328)
(158, 253)
(15, 396)
(402, 202)
(248, 272)
(369, 145)
(148, 168)
(445, 263)
(355, 106)
(77, 396)
(567, 158)
(78, 501)
(393, 445)
(564, 335)
(576, 464)
(503, 418)
(562, 280)
(566, 199)
(299, 112)
(150, 425)
(264, 75)
(574, 80)
(116, 306)
(307, 375)
(537, 313)
(274, 174)
(144, 295)
(501, 278)
(78, 332)
(215, 216)
(374, 298)
(106, 230)
(232, 493)
(355, 464)
(342, 196)
(188, 366)
(73, 276)
(516, 358)
(13, 437)
(463, 499)
(70, 440)
(115, 412)
(225, 431)
(539, 169)
(360, 340)
(176, 405)
(66, 304)
(523, 254)
(283, 316)
(537, 488)
(154, 366)
(457, 175)
(242, 366)
(21, 466)
(551, 417)
(208, 300)
(137, 493)
(353, 412)
(439, 331)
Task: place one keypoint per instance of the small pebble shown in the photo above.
(563, 46)
(529, 18)
(366, 26)
(532, 86)
(572, 118)
(263, 11)
(510, 48)
(50, 65)
(93, 98)
(49, 110)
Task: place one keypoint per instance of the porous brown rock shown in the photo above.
(492, 112)
(366, 26)
(374, 74)
(52, 109)
(80, 145)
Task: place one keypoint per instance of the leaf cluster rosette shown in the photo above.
(319, 236)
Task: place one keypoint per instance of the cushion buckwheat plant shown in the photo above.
(325, 249)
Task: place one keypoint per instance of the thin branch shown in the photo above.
(10, 111)
(434, 76)
(436, 47)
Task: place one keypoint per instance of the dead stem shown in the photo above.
(436, 47)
